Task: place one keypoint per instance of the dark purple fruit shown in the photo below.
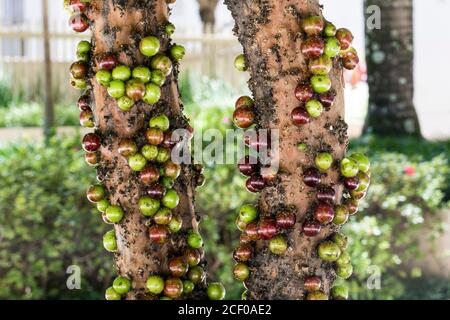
(311, 177)
(267, 228)
(255, 184)
(285, 219)
(326, 194)
(304, 92)
(311, 228)
(324, 213)
(91, 142)
(300, 117)
(313, 47)
(156, 191)
(248, 166)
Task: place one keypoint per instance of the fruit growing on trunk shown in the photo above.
(91, 142)
(313, 283)
(216, 291)
(155, 284)
(241, 272)
(278, 245)
(239, 63)
(329, 251)
(112, 294)
(324, 213)
(122, 285)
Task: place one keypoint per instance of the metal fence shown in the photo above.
(209, 55)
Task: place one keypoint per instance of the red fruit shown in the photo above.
(267, 228)
(193, 257)
(350, 60)
(243, 117)
(248, 166)
(326, 194)
(311, 177)
(173, 288)
(106, 61)
(127, 147)
(345, 38)
(304, 92)
(149, 175)
(269, 175)
(285, 219)
(300, 116)
(91, 142)
(327, 99)
(244, 238)
(79, 70)
(77, 5)
(251, 230)
(158, 234)
(178, 267)
(84, 103)
(313, 25)
(244, 101)
(154, 136)
(156, 191)
(352, 206)
(311, 228)
(169, 142)
(313, 47)
(255, 184)
(79, 22)
(258, 140)
(313, 283)
(243, 253)
(324, 213)
(351, 183)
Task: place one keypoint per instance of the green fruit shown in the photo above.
(323, 161)
(152, 94)
(109, 241)
(167, 182)
(149, 152)
(79, 84)
(196, 275)
(349, 168)
(341, 240)
(171, 199)
(124, 103)
(330, 29)
(248, 213)
(137, 162)
(241, 272)
(302, 147)
(321, 84)
(194, 240)
(317, 295)
(239, 63)
(344, 271)
(362, 160)
(165, 298)
(163, 155)
(102, 205)
(314, 108)
(158, 77)
(175, 224)
(122, 73)
(142, 73)
(161, 122)
(163, 63)
(114, 214)
(216, 291)
(149, 46)
(148, 206)
(188, 286)
(344, 259)
(83, 56)
(84, 47)
(111, 294)
(122, 285)
(163, 216)
(329, 251)
(155, 284)
(103, 77)
(332, 47)
(177, 52)
(364, 182)
(169, 28)
(116, 89)
(339, 293)
(341, 215)
(278, 245)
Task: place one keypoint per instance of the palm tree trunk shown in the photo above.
(271, 36)
(390, 62)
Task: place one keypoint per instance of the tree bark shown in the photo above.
(118, 26)
(270, 33)
(207, 9)
(390, 63)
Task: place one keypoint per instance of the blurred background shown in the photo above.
(400, 237)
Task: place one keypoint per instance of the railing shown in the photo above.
(209, 55)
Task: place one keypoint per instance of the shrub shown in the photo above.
(47, 224)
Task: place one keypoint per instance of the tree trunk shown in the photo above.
(117, 28)
(390, 62)
(271, 36)
(207, 12)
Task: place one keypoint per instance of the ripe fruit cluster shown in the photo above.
(78, 21)
(324, 47)
(142, 83)
(79, 69)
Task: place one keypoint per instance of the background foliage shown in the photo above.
(47, 224)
